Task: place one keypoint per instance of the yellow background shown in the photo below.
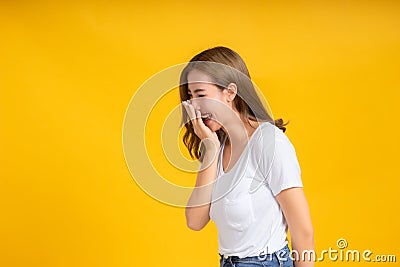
(68, 71)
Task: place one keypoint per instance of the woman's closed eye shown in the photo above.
(190, 96)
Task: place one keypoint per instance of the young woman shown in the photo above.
(239, 145)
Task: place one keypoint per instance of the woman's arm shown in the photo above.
(198, 217)
(295, 209)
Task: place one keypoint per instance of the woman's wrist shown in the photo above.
(210, 144)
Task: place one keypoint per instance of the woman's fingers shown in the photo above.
(198, 114)
(190, 110)
(200, 129)
(194, 113)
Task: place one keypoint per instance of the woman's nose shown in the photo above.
(193, 99)
(196, 104)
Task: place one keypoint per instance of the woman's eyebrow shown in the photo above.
(197, 90)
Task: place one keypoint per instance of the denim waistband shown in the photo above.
(280, 254)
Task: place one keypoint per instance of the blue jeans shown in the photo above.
(279, 258)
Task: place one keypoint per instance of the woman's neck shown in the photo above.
(240, 132)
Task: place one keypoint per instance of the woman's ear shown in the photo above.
(231, 90)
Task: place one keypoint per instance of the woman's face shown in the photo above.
(210, 99)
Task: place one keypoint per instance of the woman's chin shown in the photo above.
(212, 125)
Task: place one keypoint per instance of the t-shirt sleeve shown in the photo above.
(280, 165)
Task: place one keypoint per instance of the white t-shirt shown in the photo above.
(248, 217)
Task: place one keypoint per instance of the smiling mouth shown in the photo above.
(206, 116)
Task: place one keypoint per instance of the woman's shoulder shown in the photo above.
(269, 134)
